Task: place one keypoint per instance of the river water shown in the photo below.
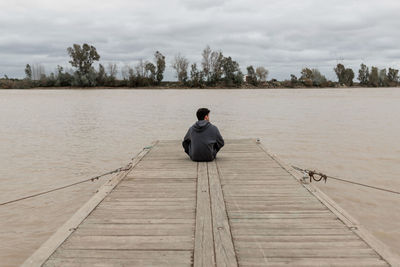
(50, 138)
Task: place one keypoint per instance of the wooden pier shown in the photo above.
(245, 209)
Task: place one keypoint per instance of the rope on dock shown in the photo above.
(69, 185)
(312, 174)
(121, 169)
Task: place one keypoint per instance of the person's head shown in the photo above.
(203, 114)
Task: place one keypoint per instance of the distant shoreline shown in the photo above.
(190, 88)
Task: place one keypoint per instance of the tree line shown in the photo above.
(84, 74)
(215, 70)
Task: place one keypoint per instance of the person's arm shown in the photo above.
(220, 141)
(186, 142)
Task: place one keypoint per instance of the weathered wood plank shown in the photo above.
(113, 262)
(129, 242)
(312, 262)
(203, 243)
(288, 221)
(135, 209)
(178, 255)
(131, 220)
(302, 245)
(237, 231)
(224, 250)
(263, 208)
(118, 199)
(146, 215)
(168, 203)
(297, 238)
(87, 257)
(285, 225)
(270, 215)
(135, 230)
(306, 252)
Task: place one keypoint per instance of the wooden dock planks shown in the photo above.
(204, 240)
(275, 221)
(244, 209)
(148, 219)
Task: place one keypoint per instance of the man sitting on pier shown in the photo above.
(203, 140)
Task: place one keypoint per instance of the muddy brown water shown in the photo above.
(51, 138)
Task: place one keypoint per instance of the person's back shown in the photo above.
(203, 140)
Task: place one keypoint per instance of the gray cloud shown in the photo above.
(205, 4)
(283, 35)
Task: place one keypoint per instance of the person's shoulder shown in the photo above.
(190, 129)
(213, 126)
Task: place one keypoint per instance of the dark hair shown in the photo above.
(201, 113)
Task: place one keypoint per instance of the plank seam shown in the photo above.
(212, 216)
(125, 249)
(204, 252)
(239, 212)
(226, 211)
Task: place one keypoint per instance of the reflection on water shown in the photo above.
(51, 138)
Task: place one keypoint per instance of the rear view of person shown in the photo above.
(203, 140)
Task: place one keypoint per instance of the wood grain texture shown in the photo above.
(224, 250)
(204, 241)
(275, 221)
(244, 209)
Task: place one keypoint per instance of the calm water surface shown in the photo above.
(51, 138)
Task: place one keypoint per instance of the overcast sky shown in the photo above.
(282, 35)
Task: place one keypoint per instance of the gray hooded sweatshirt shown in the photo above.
(202, 141)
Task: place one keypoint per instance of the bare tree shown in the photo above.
(181, 64)
(382, 77)
(262, 74)
(101, 75)
(317, 78)
(37, 71)
(112, 70)
(216, 60)
(125, 72)
(206, 62)
(140, 68)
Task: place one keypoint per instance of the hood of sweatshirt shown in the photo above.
(200, 126)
